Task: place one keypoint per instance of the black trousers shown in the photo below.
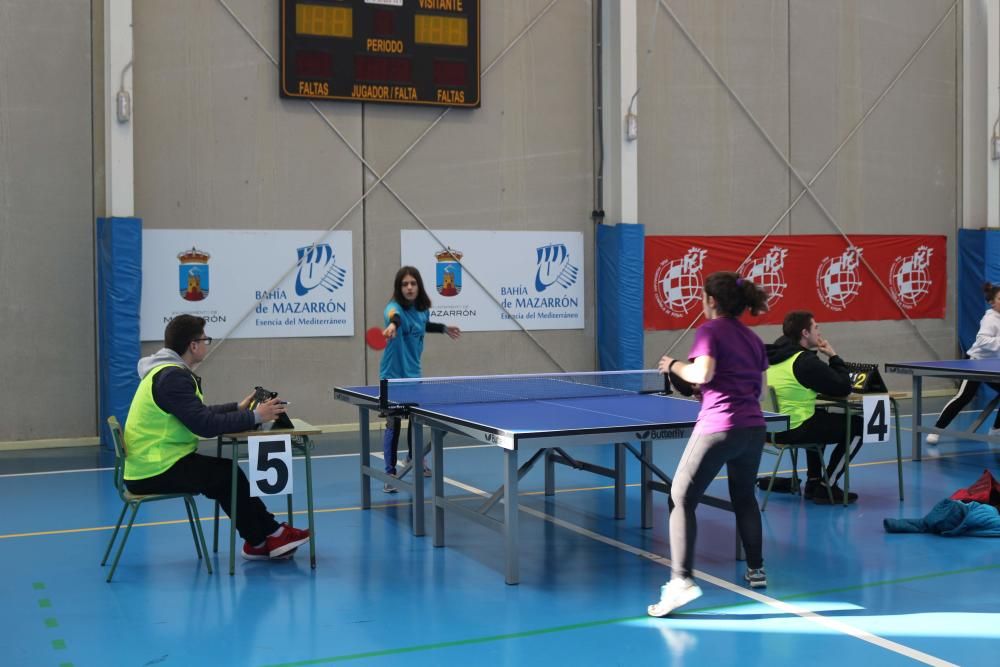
(704, 456)
(212, 477)
(825, 427)
(965, 394)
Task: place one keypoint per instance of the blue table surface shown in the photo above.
(957, 365)
(567, 414)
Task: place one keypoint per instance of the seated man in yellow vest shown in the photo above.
(168, 416)
(798, 374)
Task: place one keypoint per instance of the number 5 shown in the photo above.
(270, 465)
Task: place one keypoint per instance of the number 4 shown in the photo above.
(876, 418)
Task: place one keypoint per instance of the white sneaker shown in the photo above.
(676, 593)
(932, 438)
(994, 431)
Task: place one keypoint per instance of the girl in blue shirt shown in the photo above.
(407, 318)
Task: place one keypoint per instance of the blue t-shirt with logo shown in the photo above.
(401, 358)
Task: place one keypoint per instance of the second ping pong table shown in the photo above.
(978, 370)
(545, 413)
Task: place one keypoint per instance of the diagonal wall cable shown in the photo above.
(806, 186)
(381, 178)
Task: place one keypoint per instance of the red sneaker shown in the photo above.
(255, 553)
(288, 540)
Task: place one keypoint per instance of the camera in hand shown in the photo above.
(261, 395)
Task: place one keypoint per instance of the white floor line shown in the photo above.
(297, 458)
(784, 607)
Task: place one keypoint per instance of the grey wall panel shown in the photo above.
(897, 175)
(216, 148)
(808, 70)
(521, 162)
(46, 228)
(703, 167)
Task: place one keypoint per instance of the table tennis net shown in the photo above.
(503, 388)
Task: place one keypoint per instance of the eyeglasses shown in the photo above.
(207, 340)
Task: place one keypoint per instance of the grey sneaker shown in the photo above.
(676, 593)
(757, 578)
(389, 488)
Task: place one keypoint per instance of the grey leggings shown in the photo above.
(705, 454)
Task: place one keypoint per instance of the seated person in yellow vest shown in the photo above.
(798, 374)
(167, 418)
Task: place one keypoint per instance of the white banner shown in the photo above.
(221, 274)
(538, 277)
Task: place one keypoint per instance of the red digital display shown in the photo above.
(314, 64)
(449, 73)
(383, 23)
(375, 68)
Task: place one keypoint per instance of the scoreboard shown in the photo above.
(390, 51)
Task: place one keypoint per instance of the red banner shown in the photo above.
(820, 273)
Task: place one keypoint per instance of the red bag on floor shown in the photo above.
(984, 490)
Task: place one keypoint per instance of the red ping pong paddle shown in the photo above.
(375, 339)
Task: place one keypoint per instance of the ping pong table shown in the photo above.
(979, 370)
(545, 413)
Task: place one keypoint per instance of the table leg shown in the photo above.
(510, 517)
(899, 445)
(366, 458)
(620, 466)
(847, 451)
(437, 456)
(646, 477)
(550, 473)
(917, 415)
(232, 512)
(417, 431)
(307, 445)
(215, 538)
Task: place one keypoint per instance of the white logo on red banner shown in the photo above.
(768, 273)
(910, 277)
(901, 276)
(679, 284)
(838, 281)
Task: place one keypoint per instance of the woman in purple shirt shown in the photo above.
(727, 361)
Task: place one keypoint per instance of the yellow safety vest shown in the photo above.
(154, 440)
(794, 400)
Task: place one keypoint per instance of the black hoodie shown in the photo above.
(174, 393)
(830, 379)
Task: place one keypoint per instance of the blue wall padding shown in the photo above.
(119, 287)
(620, 252)
(978, 262)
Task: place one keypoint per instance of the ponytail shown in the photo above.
(735, 294)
